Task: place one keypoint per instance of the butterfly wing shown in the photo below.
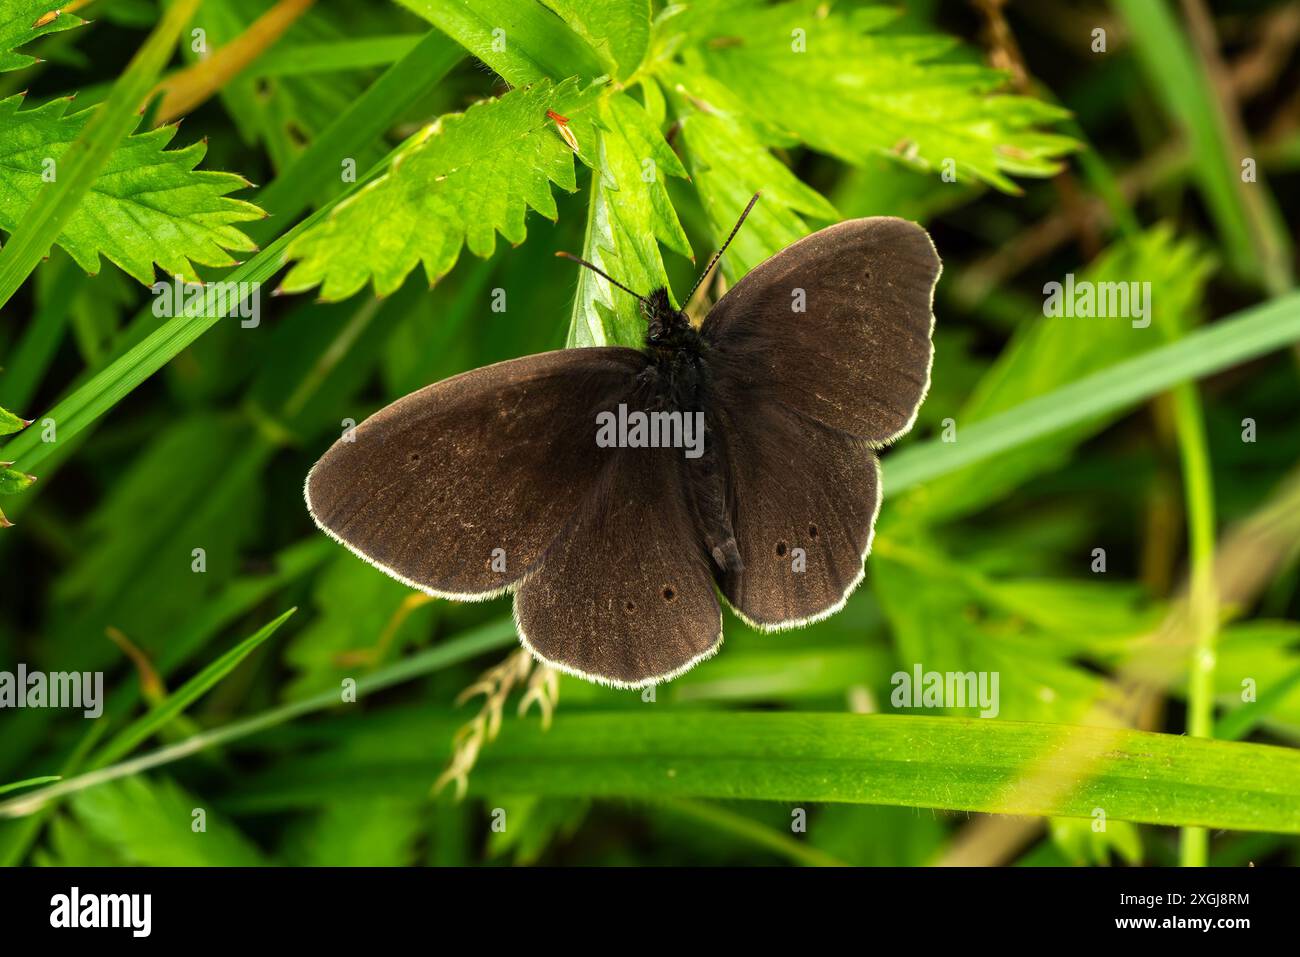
(803, 500)
(458, 489)
(625, 596)
(803, 397)
(835, 327)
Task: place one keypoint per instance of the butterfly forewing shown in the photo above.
(459, 488)
(836, 326)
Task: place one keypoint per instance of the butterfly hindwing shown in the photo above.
(625, 595)
(803, 500)
(459, 488)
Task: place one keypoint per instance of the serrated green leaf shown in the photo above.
(63, 191)
(730, 160)
(10, 423)
(457, 183)
(618, 30)
(838, 84)
(315, 171)
(12, 481)
(629, 216)
(18, 19)
(147, 205)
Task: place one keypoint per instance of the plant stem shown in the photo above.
(183, 92)
(1198, 487)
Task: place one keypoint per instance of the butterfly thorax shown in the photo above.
(668, 330)
(676, 352)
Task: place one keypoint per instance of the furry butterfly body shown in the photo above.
(495, 481)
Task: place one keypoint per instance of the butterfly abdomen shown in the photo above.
(706, 480)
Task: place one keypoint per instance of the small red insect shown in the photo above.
(566, 134)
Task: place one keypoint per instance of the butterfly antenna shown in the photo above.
(718, 255)
(600, 272)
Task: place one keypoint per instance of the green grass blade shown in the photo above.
(1198, 484)
(104, 390)
(184, 696)
(958, 764)
(114, 119)
(1000, 767)
(1243, 336)
(29, 783)
(100, 393)
(1254, 236)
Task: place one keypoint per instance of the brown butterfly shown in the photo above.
(505, 479)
